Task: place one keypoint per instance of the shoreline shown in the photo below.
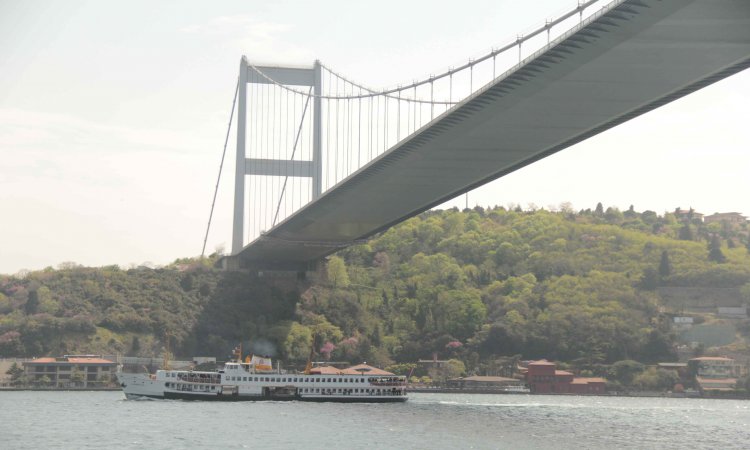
(425, 390)
(60, 389)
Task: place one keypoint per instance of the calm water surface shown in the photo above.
(80, 420)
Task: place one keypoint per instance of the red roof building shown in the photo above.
(326, 370)
(543, 378)
(364, 369)
(359, 369)
(588, 386)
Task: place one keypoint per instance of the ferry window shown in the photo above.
(244, 378)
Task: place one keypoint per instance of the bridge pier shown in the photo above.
(301, 272)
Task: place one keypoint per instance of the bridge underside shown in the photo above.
(638, 56)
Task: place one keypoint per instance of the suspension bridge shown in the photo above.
(323, 162)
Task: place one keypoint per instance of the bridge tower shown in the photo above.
(280, 76)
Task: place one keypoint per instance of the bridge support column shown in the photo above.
(238, 224)
(317, 176)
(280, 76)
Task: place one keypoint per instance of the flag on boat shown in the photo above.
(261, 363)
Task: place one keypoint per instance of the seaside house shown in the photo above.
(71, 371)
(543, 377)
(715, 373)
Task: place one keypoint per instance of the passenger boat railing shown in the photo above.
(199, 378)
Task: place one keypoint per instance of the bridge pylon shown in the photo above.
(279, 76)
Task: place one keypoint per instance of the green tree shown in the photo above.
(625, 371)
(104, 380)
(77, 377)
(298, 341)
(337, 275)
(135, 345)
(453, 368)
(665, 266)
(714, 250)
(405, 369)
(44, 381)
(32, 303)
(649, 279)
(686, 233)
(16, 374)
(5, 305)
(654, 379)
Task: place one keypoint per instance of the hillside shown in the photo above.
(587, 287)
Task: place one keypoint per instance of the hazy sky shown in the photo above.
(113, 114)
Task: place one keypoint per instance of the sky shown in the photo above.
(113, 117)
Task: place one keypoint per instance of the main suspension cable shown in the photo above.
(221, 166)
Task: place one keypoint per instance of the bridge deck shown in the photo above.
(636, 57)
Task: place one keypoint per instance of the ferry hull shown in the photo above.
(259, 398)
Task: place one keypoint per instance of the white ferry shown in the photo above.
(254, 380)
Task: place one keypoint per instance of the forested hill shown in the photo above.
(472, 285)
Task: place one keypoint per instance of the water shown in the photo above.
(81, 420)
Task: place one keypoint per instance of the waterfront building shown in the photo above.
(543, 378)
(715, 367)
(588, 385)
(71, 371)
(715, 373)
